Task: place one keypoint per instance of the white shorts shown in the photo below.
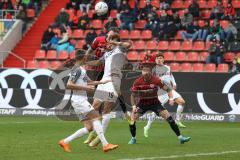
(163, 96)
(108, 92)
(82, 108)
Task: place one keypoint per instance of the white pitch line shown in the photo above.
(184, 155)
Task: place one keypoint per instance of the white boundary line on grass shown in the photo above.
(184, 155)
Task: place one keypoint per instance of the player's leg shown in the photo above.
(181, 103)
(146, 128)
(124, 107)
(165, 114)
(96, 105)
(105, 122)
(132, 126)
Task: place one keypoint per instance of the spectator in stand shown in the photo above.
(187, 19)
(216, 51)
(194, 9)
(73, 4)
(152, 20)
(203, 31)
(124, 5)
(191, 32)
(101, 17)
(111, 23)
(214, 31)
(26, 3)
(37, 5)
(235, 66)
(62, 18)
(90, 37)
(46, 39)
(218, 11)
(17, 4)
(111, 4)
(164, 5)
(146, 10)
(176, 20)
(54, 41)
(83, 21)
(229, 12)
(6, 5)
(229, 33)
(63, 43)
(85, 5)
(127, 20)
(22, 15)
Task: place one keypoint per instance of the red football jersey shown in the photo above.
(99, 45)
(148, 98)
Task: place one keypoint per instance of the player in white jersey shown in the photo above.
(107, 94)
(164, 72)
(80, 84)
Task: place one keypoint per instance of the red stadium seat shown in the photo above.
(135, 34)
(56, 65)
(79, 13)
(97, 24)
(238, 55)
(203, 56)
(174, 45)
(80, 44)
(63, 55)
(72, 55)
(139, 45)
(208, 44)
(142, 56)
(32, 64)
(236, 3)
(192, 56)
(131, 3)
(228, 57)
(205, 14)
(51, 55)
(30, 13)
(90, 13)
(197, 67)
(43, 64)
(212, 3)
(40, 54)
(163, 45)
(78, 33)
(155, 3)
(177, 4)
(124, 34)
(201, 23)
(202, 3)
(186, 45)
(151, 45)
(175, 67)
(168, 56)
(187, 3)
(211, 67)
(142, 4)
(140, 24)
(71, 14)
(181, 13)
(178, 36)
(186, 67)
(146, 34)
(113, 13)
(198, 46)
(180, 56)
(223, 67)
(132, 56)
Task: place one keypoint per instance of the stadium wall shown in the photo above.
(11, 38)
(209, 96)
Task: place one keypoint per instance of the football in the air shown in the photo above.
(101, 8)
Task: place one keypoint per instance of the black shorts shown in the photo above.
(156, 108)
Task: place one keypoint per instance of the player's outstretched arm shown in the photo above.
(126, 45)
(94, 63)
(90, 82)
(71, 85)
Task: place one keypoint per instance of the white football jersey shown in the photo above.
(164, 73)
(79, 76)
(114, 61)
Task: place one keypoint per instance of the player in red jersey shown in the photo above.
(144, 98)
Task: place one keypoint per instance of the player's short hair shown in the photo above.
(114, 29)
(160, 54)
(79, 54)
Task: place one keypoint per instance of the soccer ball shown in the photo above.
(101, 8)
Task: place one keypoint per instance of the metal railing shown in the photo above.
(5, 12)
(13, 54)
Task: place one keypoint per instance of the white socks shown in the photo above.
(179, 112)
(99, 130)
(150, 121)
(105, 121)
(79, 133)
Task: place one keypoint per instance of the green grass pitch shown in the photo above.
(31, 138)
